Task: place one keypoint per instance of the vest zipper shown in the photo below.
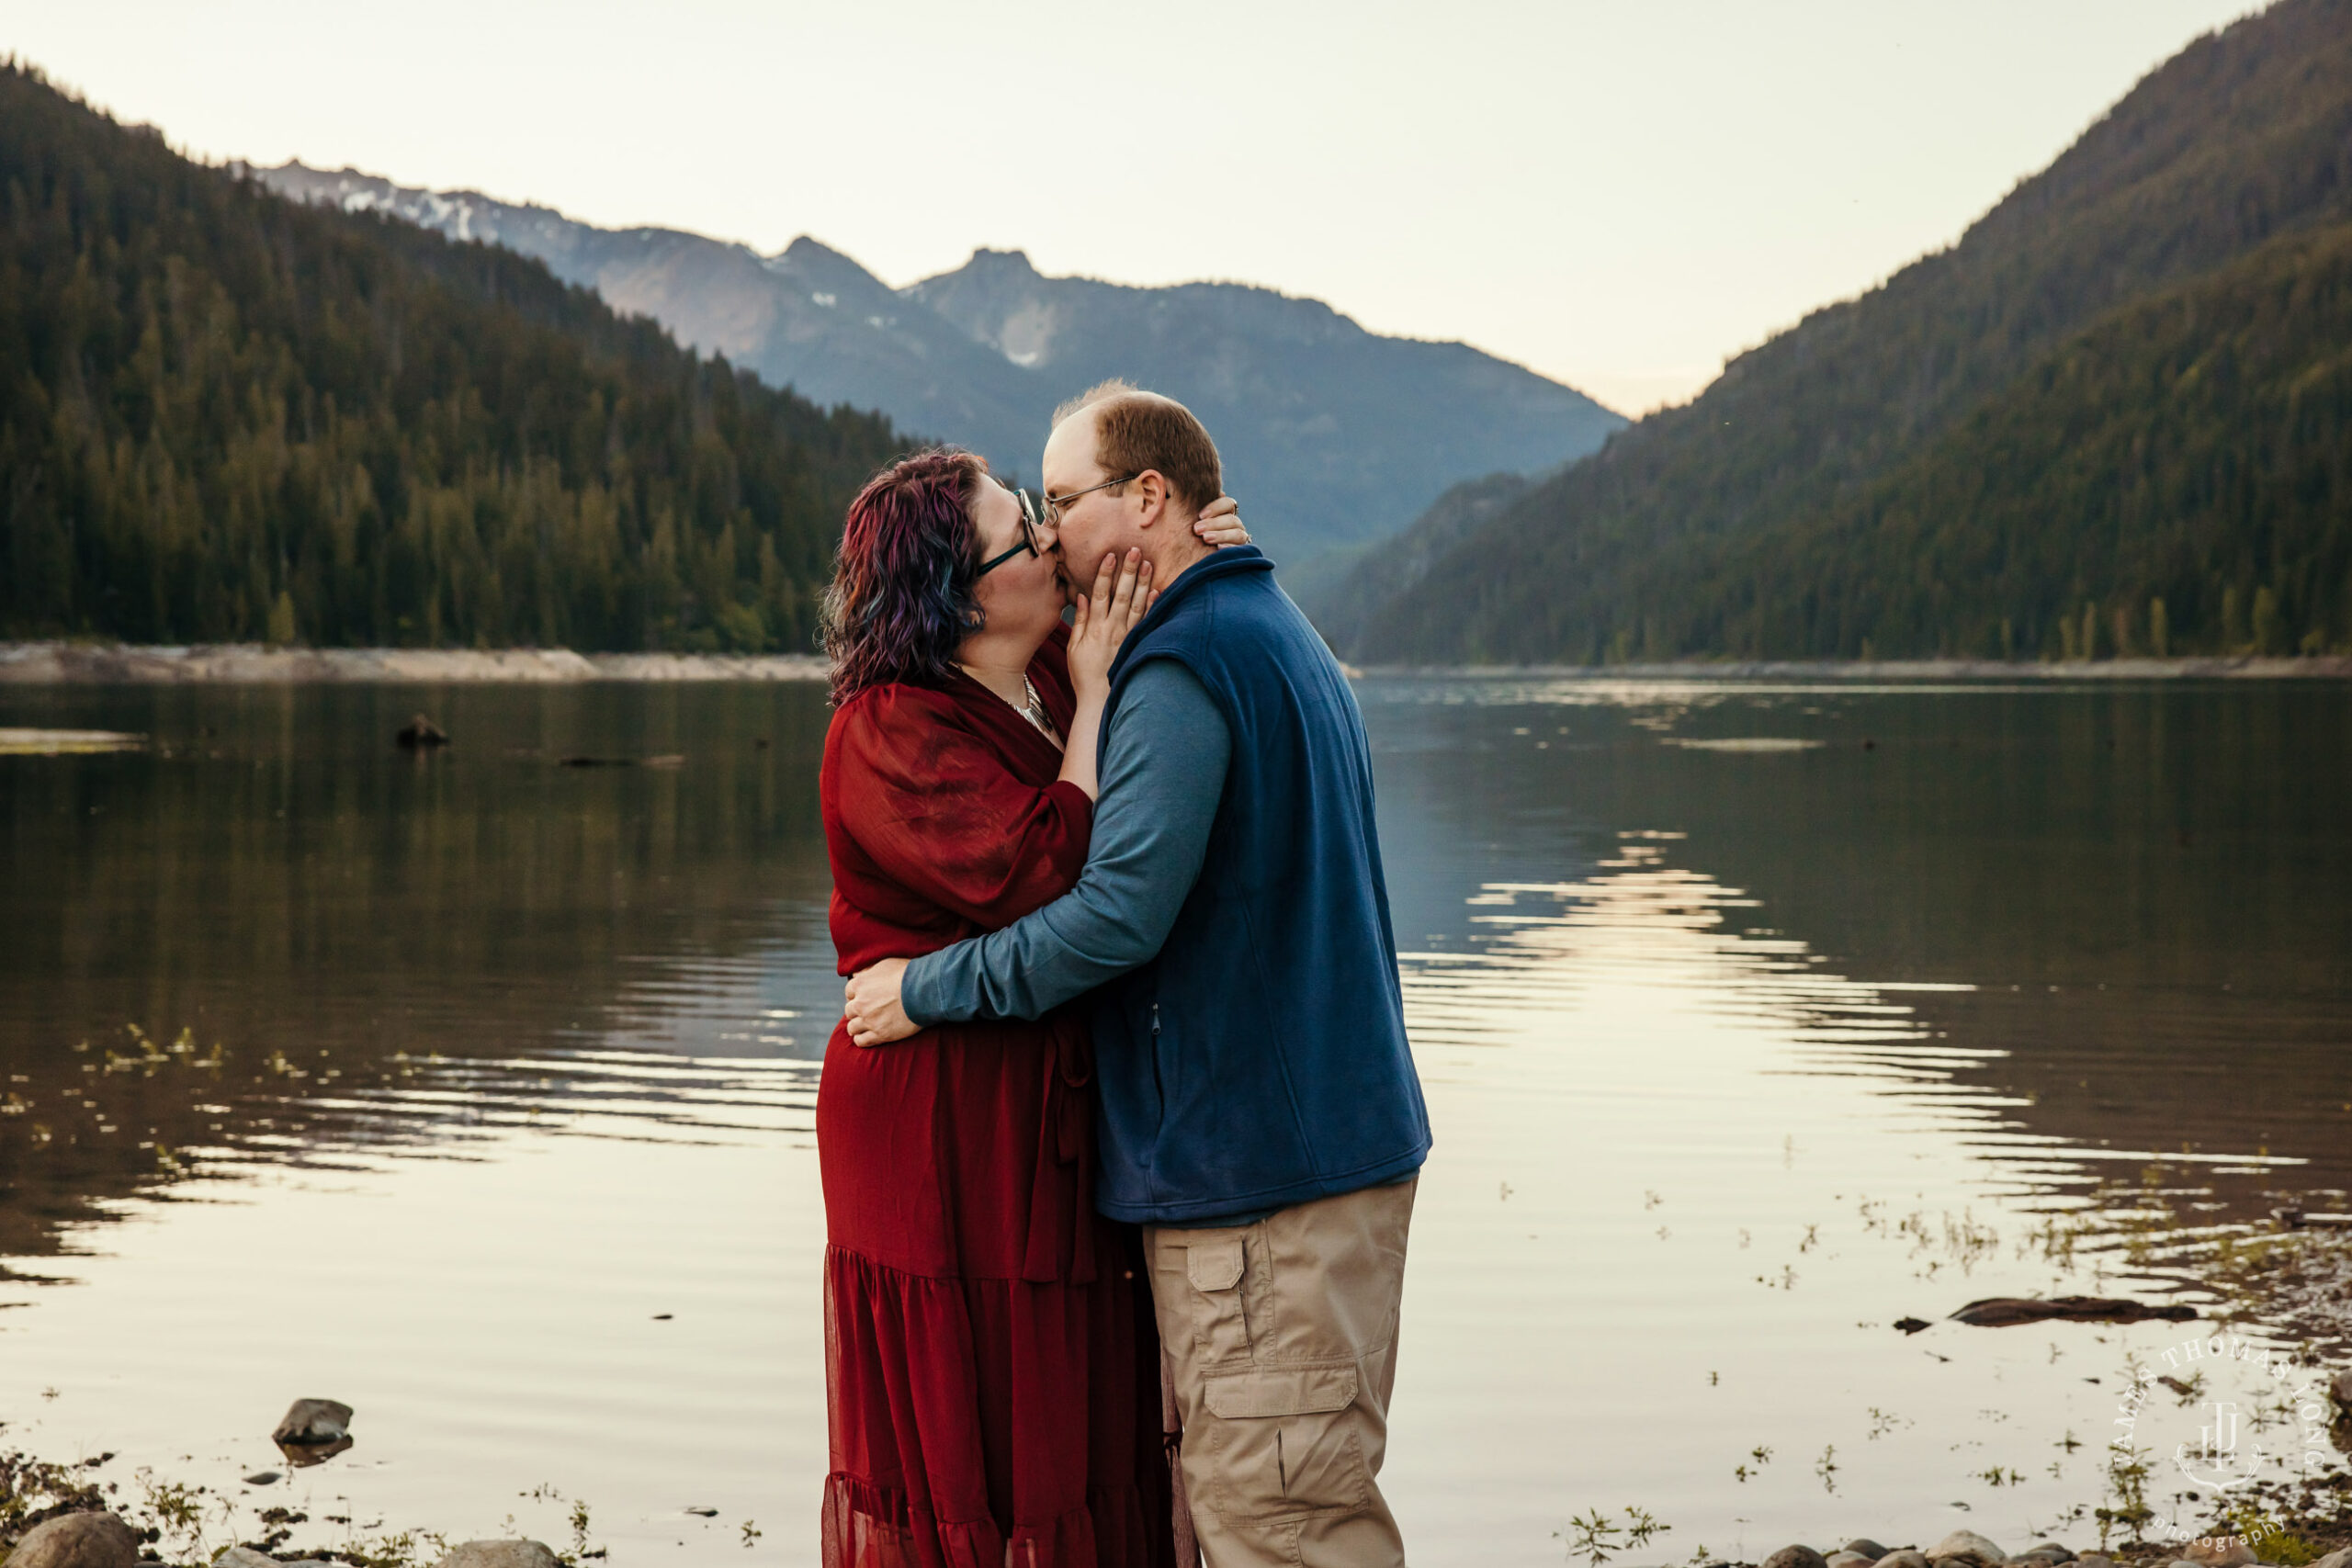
(1157, 1086)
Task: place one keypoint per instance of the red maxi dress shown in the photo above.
(992, 1372)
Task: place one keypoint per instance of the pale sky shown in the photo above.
(1618, 195)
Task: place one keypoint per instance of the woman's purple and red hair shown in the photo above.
(902, 595)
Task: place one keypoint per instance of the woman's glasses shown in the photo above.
(1028, 534)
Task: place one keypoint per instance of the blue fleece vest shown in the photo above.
(1260, 1059)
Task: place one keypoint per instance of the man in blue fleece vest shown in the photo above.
(1260, 1115)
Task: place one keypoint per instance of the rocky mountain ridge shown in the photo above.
(1332, 435)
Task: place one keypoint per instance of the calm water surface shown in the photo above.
(1752, 1019)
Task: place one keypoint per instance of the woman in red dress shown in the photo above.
(992, 1372)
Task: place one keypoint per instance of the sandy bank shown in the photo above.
(54, 664)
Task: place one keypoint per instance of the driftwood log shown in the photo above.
(2007, 1311)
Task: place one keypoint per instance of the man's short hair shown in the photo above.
(1134, 430)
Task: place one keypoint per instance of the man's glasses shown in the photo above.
(1028, 534)
(1057, 506)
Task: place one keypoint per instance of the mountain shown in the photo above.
(1331, 434)
(1342, 590)
(2196, 445)
(1319, 420)
(228, 416)
(808, 318)
(1973, 446)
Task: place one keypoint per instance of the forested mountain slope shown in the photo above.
(2196, 445)
(1330, 433)
(225, 415)
(1738, 525)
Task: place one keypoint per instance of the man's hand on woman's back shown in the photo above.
(872, 1006)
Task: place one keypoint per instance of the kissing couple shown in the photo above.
(1120, 1131)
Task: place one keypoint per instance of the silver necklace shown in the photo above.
(1033, 710)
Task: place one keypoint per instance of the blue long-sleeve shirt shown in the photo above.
(1164, 760)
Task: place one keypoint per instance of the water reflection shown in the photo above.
(1693, 1176)
(1754, 1018)
(2134, 904)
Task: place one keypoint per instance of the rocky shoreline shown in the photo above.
(69, 663)
(99, 1537)
(72, 1515)
(2289, 1547)
(60, 1517)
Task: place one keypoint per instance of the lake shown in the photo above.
(475, 1091)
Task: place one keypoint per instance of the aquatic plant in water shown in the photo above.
(1594, 1536)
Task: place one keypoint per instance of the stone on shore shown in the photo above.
(499, 1554)
(77, 1541)
(244, 1557)
(2095, 1560)
(1904, 1557)
(1967, 1546)
(314, 1421)
(1866, 1547)
(2050, 1550)
(1794, 1557)
(1850, 1560)
(2223, 1551)
(2339, 1559)
(2341, 1387)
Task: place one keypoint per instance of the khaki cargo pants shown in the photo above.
(1281, 1338)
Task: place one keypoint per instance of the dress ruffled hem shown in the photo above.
(1063, 1467)
(868, 1526)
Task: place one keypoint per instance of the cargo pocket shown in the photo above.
(1286, 1442)
(1220, 1323)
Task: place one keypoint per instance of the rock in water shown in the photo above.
(1850, 1560)
(1906, 1557)
(1864, 1546)
(314, 1421)
(421, 731)
(2049, 1549)
(77, 1541)
(1968, 1546)
(1794, 1557)
(499, 1554)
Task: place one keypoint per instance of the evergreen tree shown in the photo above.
(2131, 379)
(224, 416)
